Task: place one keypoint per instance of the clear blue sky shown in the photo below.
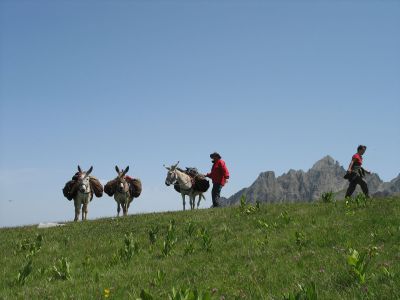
(271, 85)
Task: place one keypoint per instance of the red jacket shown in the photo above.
(219, 173)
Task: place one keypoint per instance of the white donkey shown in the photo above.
(84, 193)
(122, 194)
(185, 184)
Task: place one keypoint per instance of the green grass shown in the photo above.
(262, 252)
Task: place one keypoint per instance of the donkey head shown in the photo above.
(83, 180)
(171, 175)
(122, 184)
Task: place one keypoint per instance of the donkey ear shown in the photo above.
(117, 169)
(79, 169)
(176, 164)
(126, 170)
(168, 168)
(90, 170)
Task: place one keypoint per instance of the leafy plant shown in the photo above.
(246, 208)
(188, 294)
(189, 247)
(159, 278)
(130, 248)
(61, 270)
(145, 295)
(24, 273)
(359, 262)
(307, 292)
(358, 201)
(206, 239)
(361, 200)
(285, 217)
(328, 197)
(32, 247)
(170, 239)
(387, 273)
(301, 239)
(153, 231)
(190, 228)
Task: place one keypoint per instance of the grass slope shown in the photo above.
(230, 253)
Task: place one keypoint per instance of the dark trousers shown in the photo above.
(216, 194)
(353, 184)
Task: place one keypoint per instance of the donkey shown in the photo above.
(122, 194)
(84, 193)
(185, 184)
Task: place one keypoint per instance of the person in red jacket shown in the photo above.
(356, 173)
(219, 176)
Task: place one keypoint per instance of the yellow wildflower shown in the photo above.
(106, 293)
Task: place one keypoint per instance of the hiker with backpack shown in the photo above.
(356, 173)
(219, 175)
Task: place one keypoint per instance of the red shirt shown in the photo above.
(219, 173)
(357, 158)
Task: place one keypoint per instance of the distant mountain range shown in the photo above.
(326, 175)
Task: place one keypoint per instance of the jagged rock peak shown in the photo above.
(325, 162)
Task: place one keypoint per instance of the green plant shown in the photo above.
(170, 239)
(301, 239)
(145, 295)
(61, 270)
(361, 200)
(153, 231)
(246, 208)
(130, 248)
(206, 239)
(188, 294)
(307, 292)
(328, 197)
(359, 262)
(285, 217)
(189, 247)
(387, 273)
(190, 228)
(24, 272)
(32, 247)
(159, 278)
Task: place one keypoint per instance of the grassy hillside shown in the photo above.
(245, 252)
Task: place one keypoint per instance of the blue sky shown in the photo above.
(271, 85)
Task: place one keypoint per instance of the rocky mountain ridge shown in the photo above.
(324, 176)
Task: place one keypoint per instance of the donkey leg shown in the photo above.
(118, 209)
(77, 205)
(198, 201)
(123, 208)
(192, 200)
(84, 211)
(183, 200)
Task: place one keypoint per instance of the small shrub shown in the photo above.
(32, 247)
(246, 208)
(61, 270)
(160, 277)
(301, 239)
(170, 239)
(285, 217)
(189, 248)
(188, 294)
(308, 292)
(190, 228)
(130, 248)
(24, 273)
(153, 231)
(359, 262)
(206, 239)
(145, 295)
(328, 197)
